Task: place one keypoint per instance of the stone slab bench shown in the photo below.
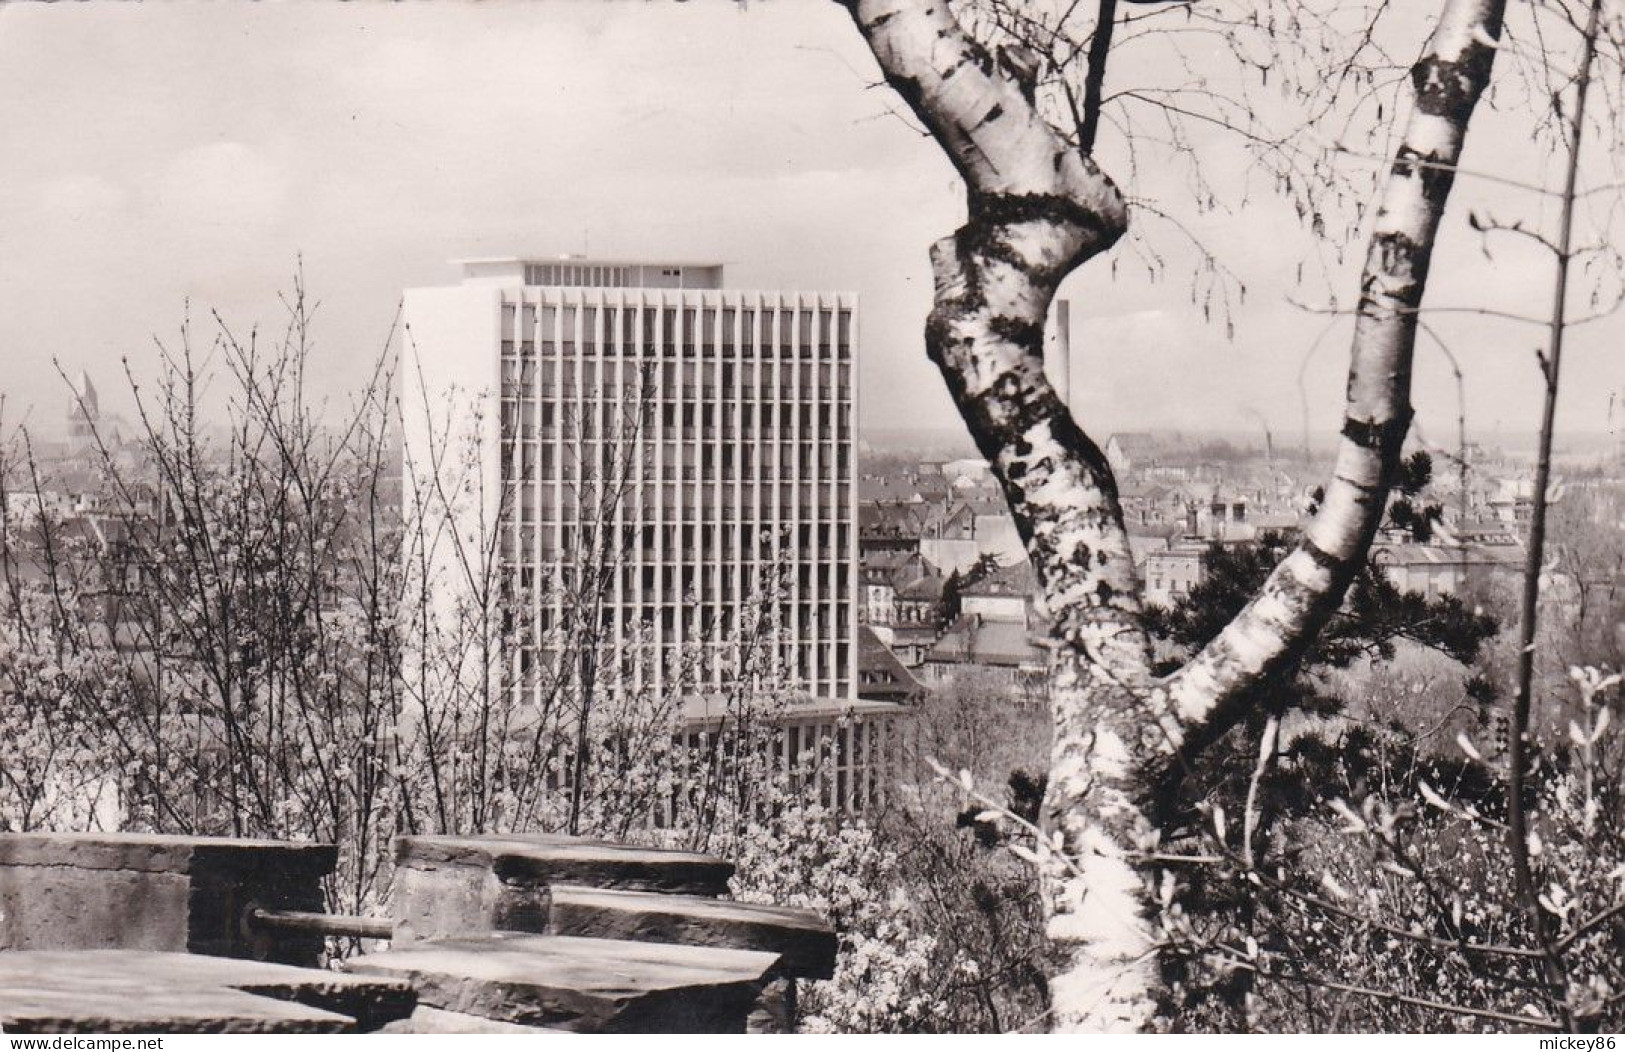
(804, 941)
(454, 886)
(140, 991)
(581, 985)
(63, 891)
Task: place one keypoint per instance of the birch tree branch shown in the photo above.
(1211, 692)
(1038, 208)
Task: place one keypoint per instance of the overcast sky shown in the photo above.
(161, 153)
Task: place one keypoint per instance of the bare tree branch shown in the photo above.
(1210, 693)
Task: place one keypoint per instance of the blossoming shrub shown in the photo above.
(1386, 901)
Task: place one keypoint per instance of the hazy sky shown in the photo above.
(161, 153)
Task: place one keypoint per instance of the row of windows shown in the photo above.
(693, 608)
(600, 381)
(806, 662)
(612, 451)
(709, 484)
(682, 566)
(529, 527)
(633, 604)
(671, 379)
(697, 608)
(675, 658)
(753, 405)
(591, 275)
(819, 623)
(633, 609)
(653, 592)
(654, 582)
(765, 415)
(669, 499)
(710, 638)
(732, 473)
(813, 621)
(728, 535)
(613, 434)
(598, 460)
(814, 419)
(527, 516)
(529, 461)
(529, 421)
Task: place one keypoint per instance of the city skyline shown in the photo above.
(376, 144)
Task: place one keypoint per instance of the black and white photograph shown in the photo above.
(818, 517)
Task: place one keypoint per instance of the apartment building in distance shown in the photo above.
(700, 437)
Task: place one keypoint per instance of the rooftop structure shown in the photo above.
(580, 272)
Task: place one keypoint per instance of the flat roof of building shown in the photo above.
(706, 709)
(591, 261)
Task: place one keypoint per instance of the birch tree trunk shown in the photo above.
(1037, 209)
(1270, 634)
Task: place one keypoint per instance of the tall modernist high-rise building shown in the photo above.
(699, 437)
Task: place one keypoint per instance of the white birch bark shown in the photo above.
(1038, 208)
(1211, 692)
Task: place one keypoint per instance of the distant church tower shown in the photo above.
(83, 412)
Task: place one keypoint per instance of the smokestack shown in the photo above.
(1058, 351)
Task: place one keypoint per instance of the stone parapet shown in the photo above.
(581, 985)
(61, 891)
(128, 933)
(457, 886)
(147, 992)
(803, 941)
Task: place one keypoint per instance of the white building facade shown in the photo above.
(690, 443)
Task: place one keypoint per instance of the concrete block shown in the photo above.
(581, 985)
(452, 886)
(804, 941)
(138, 991)
(154, 892)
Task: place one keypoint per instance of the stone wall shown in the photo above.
(133, 891)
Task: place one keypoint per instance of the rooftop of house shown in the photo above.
(881, 669)
(886, 561)
(914, 635)
(907, 563)
(1134, 441)
(1184, 554)
(1413, 554)
(1276, 520)
(983, 507)
(926, 588)
(873, 489)
(1146, 491)
(889, 519)
(971, 640)
(1017, 579)
(950, 519)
